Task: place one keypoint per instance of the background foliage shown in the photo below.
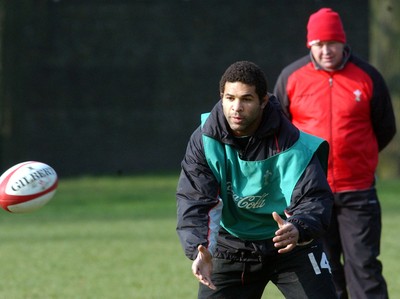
(385, 55)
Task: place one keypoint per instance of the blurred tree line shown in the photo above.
(385, 55)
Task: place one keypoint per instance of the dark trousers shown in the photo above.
(299, 274)
(354, 238)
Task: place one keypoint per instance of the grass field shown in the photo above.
(115, 238)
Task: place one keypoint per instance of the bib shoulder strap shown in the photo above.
(319, 145)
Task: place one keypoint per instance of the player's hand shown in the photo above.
(202, 267)
(286, 236)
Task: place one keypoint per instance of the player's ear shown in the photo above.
(264, 102)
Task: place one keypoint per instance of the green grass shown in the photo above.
(115, 238)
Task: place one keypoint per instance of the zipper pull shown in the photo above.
(330, 81)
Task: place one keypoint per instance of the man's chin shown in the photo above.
(329, 65)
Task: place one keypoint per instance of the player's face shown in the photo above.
(329, 55)
(242, 108)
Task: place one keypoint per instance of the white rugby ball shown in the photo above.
(27, 186)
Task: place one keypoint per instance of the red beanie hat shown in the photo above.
(325, 25)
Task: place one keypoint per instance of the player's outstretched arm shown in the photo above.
(202, 267)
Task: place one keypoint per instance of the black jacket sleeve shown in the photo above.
(281, 94)
(382, 114)
(311, 202)
(197, 194)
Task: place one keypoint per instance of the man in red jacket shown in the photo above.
(335, 95)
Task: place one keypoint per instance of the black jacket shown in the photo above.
(197, 191)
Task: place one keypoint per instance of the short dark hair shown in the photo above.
(246, 72)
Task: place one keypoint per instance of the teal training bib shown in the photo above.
(252, 190)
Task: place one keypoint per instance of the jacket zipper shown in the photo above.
(331, 125)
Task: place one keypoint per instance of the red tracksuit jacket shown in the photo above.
(350, 108)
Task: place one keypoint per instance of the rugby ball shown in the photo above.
(27, 186)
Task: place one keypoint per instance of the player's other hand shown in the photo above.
(202, 267)
(286, 236)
